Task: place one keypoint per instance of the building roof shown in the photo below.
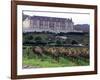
(51, 18)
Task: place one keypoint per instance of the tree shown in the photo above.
(74, 42)
(30, 37)
(27, 38)
(68, 41)
(58, 42)
(38, 39)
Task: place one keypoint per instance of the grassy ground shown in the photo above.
(48, 62)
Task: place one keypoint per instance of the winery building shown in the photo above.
(51, 24)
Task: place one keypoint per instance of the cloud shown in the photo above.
(78, 18)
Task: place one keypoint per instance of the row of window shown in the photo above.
(50, 24)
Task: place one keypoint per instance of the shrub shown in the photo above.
(38, 38)
(74, 42)
(58, 42)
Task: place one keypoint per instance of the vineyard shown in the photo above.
(45, 56)
(46, 49)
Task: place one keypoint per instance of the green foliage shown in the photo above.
(27, 38)
(38, 39)
(49, 37)
(66, 57)
(74, 42)
(49, 62)
(68, 41)
(58, 42)
(28, 53)
(31, 59)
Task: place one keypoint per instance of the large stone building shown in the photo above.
(51, 24)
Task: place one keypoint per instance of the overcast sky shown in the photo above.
(78, 18)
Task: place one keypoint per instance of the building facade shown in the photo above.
(50, 24)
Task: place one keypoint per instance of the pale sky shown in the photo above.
(78, 18)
